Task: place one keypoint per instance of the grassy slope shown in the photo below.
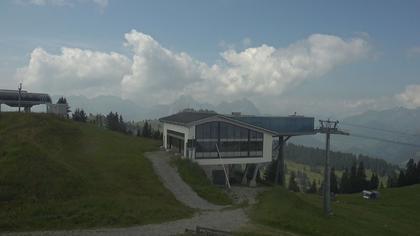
(193, 175)
(58, 174)
(396, 213)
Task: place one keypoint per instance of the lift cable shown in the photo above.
(385, 140)
(380, 129)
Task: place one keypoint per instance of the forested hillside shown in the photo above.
(315, 157)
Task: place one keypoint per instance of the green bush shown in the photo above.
(194, 175)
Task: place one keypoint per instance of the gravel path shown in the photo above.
(242, 193)
(172, 181)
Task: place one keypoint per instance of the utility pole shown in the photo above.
(328, 127)
(19, 94)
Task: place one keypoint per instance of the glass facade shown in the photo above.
(233, 141)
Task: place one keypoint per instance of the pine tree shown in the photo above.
(401, 179)
(334, 183)
(122, 127)
(361, 178)
(374, 181)
(146, 132)
(353, 180)
(313, 188)
(411, 172)
(138, 134)
(381, 186)
(292, 183)
(418, 172)
(112, 121)
(79, 115)
(345, 181)
(392, 181)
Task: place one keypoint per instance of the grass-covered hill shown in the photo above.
(281, 212)
(59, 174)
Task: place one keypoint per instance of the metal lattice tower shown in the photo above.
(328, 127)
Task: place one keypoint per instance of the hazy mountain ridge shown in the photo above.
(397, 125)
(133, 111)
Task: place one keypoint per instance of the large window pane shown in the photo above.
(235, 141)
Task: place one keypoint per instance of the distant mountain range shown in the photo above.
(133, 111)
(371, 131)
(368, 130)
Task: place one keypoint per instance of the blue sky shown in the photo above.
(384, 74)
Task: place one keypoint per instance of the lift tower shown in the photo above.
(328, 127)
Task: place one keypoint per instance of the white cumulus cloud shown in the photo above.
(75, 71)
(410, 97)
(254, 71)
(266, 69)
(156, 74)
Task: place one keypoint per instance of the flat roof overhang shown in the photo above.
(275, 125)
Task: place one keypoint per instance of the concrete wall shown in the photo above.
(177, 128)
(58, 109)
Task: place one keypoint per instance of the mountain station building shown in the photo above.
(213, 140)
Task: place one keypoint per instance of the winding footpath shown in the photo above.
(210, 215)
(172, 181)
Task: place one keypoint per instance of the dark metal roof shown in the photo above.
(278, 125)
(186, 117)
(282, 125)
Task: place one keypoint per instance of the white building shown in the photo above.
(240, 139)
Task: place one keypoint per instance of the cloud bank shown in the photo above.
(75, 72)
(410, 97)
(154, 74)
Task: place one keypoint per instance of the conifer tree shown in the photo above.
(418, 172)
(334, 183)
(411, 172)
(401, 179)
(381, 186)
(313, 188)
(392, 181)
(374, 181)
(345, 181)
(292, 183)
(353, 179)
(79, 115)
(146, 132)
(361, 178)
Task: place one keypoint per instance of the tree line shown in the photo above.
(409, 176)
(148, 132)
(115, 122)
(353, 180)
(315, 158)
